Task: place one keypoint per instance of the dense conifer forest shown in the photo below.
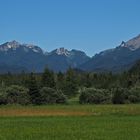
(52, 88)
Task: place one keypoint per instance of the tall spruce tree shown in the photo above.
(60, 81)
(70, 85)
(33, 89)
(48, 79)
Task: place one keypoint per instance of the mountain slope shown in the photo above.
(117, 59)
(22, 55)
(61, 59)
(32, 57)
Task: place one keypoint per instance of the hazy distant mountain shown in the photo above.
(116, 59)
(32, 58)
(61, 59)
(14, 55)
(12, 68)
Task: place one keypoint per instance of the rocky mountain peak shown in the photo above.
(13, 44)
(123, 44)
(132, 44)
(9, 45)
(62, 51)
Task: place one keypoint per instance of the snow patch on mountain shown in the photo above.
(62, 51)
(14, 45)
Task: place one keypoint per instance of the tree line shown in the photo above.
(57, 88)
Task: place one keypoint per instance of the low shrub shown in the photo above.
(94, 96)
(51, 96)
(134, 95)
(61, 98)
(119, 95)
(3, 100)
(17, 95)
(133, 99)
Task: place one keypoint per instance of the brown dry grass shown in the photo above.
(4, 113)
(70, 110)
(41, 112)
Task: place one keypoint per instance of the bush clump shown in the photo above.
(3, 100)
(51, 96)
(94, 96)
(17, 95)
(119, 95)
(134, 95)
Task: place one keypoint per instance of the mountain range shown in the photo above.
(117, 59)
(16, 57)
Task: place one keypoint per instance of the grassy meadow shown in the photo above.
(70, 122)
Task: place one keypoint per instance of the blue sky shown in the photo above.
(88, 25)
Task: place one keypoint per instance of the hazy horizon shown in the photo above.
(90, 26)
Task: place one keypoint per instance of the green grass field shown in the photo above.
(70, 122)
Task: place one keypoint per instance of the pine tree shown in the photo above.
(70, 85)
(33, 90)
(60, 81)
(48, 79)
(88, 80)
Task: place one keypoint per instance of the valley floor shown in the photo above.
(70, 122)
